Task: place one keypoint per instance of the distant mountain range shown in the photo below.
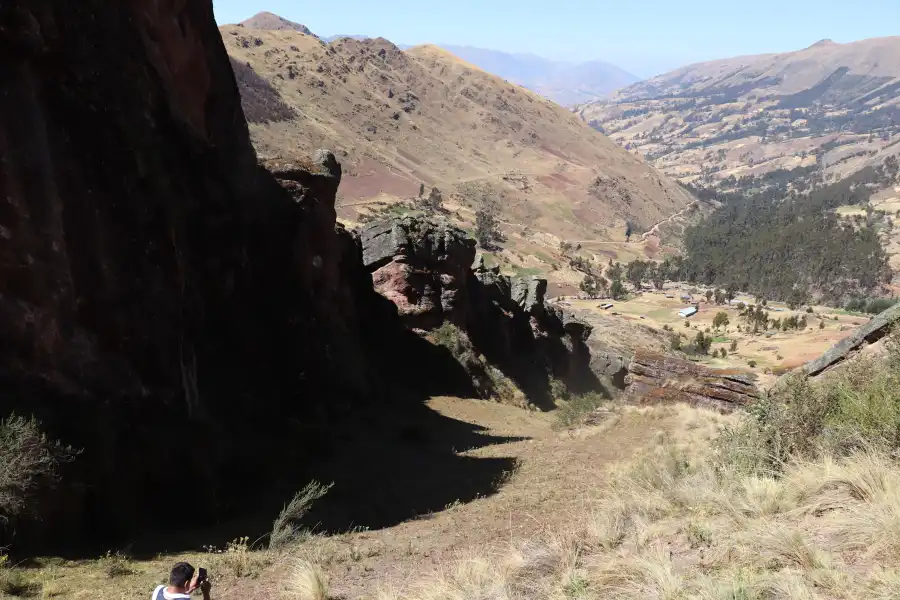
(565, 83)
(833, 108)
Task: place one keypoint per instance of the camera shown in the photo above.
(201, 575)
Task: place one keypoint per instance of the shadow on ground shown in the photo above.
(387, 467)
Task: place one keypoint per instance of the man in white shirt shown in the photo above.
(183, 580)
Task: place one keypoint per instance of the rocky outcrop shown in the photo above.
(165, 305)
(654, 378)
(429, 270)
(422, 266)
(872, 332)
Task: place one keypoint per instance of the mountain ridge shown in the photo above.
(831, 105)
(401, 120)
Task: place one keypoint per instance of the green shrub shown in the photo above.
(858, 408)
(558, 389)
(286, 528)
(27, 459)
(675, 342)
(15, 583)
(577, 408)
(488, 380)
(751, 363)
(116, 564)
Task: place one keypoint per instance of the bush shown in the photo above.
(577, 408)
(238, 559)
(15, 583)
(28, 459)
(675, 343)
(286, 527)
(558, 389)
(751, 364)
(856, 409)
(488, 380)
(116, 564)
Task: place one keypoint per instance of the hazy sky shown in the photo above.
(645, 37)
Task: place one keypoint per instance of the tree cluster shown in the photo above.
(789, 247)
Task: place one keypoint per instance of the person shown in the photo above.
(183, 580)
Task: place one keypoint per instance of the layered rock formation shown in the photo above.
(428, 269)
(875, 330)
(657, 378)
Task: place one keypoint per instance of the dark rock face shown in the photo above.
(165, 304)
(657, 378)
(425, 267)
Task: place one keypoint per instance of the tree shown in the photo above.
(593, 286)
(731, 292)
(616, 289)
(635, 273)
(614, 271)
(435, 199)
(720, 297)
(709, 295)
(487, 224)
(702, 343)
(721, 320)
(734, 345)
(421, 190)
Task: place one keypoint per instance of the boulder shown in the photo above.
(657, 378)
(875, 330)
(529, 293)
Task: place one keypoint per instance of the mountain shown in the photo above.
(565, 83)
(400, 119)
(830, 108)
(267, 20)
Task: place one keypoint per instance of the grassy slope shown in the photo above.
(400, 118)
(752, 84)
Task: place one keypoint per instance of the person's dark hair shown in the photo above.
(181, 576)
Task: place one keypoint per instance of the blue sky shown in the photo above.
(646, 37)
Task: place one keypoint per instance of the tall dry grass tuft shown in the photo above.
(305, 581)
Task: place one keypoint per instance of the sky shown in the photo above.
(645, 37)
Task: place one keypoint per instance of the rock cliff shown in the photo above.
(167, 305)
(428, 269)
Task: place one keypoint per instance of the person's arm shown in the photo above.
(205, 587)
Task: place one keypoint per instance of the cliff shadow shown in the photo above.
(391, 458)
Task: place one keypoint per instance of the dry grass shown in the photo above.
(305, 581)
(674, 524)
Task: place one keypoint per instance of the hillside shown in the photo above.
(565, 83)
(832, 108)
(267, 20)
(400, 119)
